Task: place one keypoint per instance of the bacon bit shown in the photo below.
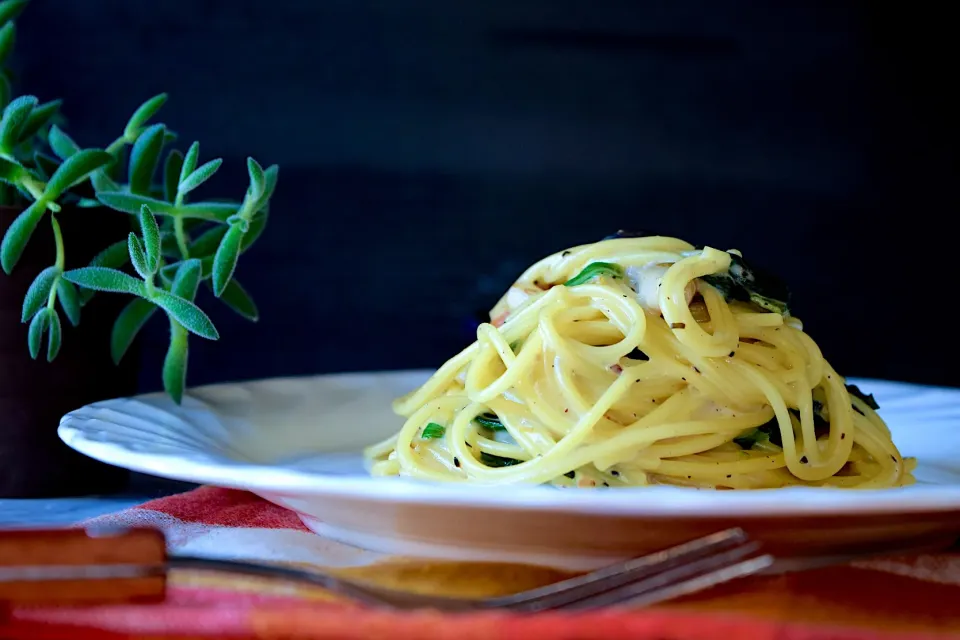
(500, 319)
(566, 410)
(585, 483)
(617, 369)
(678, 325)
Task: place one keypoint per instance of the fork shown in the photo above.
(660, 576)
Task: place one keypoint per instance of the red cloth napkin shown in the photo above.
(894, 599)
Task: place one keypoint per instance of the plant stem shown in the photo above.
(61, 259)
(181, 237)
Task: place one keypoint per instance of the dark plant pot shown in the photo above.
(35, 394)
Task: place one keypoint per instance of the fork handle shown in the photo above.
(58, 557)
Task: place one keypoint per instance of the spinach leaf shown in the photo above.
(497, 461)
(593, 270)
(490, 421)
(749, 284)
(768, 431)
(433, 430)
(867, 399)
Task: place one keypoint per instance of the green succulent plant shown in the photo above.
(194, 242)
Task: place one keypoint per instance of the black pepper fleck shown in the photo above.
(456, 462)
(697, 370)
(684, 379)
(605, 484)
(564, 254)
(638, 380)
(678, 325)
(893, 457)
(803, 460)
(571, 474)
(614, 473)
(842, 436)
(689, 477)
(733, 353)
(729, 476)
(469, 446)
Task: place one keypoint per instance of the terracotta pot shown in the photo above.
(35, 394)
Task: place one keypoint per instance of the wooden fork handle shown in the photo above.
(58, 558)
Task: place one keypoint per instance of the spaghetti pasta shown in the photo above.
(637, 361)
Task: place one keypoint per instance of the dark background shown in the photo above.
(430, 150)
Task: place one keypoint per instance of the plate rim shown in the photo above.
(624, 502)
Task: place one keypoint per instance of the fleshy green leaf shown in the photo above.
(102, 181)
(18, 235)
(14, 118)
(8, 38)
(62, 144)
(132, 203)
(151, 238)
(54, 335)
(11, 172)
(212, 211)
(104, 279)
(138, 257)
(190, 161)
(75, 169)
(171, 174)
(10, 9)
(206, 244)
(128, 324)
(69, 300)
(255, 230)
(113, 257)
(199, 176)
(175, 363)
(45, 164)
(39, 117)
(257, 179)
(187, 280)
(225, 261)
(140, 117)
(38, 292)
(144, 157)
(270, 185)
(237, 298)
(35, 334)
(186, 313)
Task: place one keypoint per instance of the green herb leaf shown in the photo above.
(8, 38)
(186, 313)
(45, 164)
(433, 430)
(257, 179)
(128, 324)
(187, 280)
(594, 270)
(270, 184)
(38, 327)
(11, 9)
(18, 235)
(254, 231)
(75, 169)
(175, 363)
(171, 174)
(69, 299)
(104, 279)
(140, 117)
(14, 118)
(39, 292)
(132, 203)
(237, 298)
(102, 181)
(62, 144)
(199, 176)
(54, 335)
(12, 172)
(490, 421)
(190, 161)
(497, 461)
(211, 211)
(144, 157)
(225, 261)
(750, 284)
(138, 257)
(206, 244)
(39, 117)
(151, 238)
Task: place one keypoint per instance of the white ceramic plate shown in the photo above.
(297, 442)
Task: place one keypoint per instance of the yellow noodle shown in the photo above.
(599, 383)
